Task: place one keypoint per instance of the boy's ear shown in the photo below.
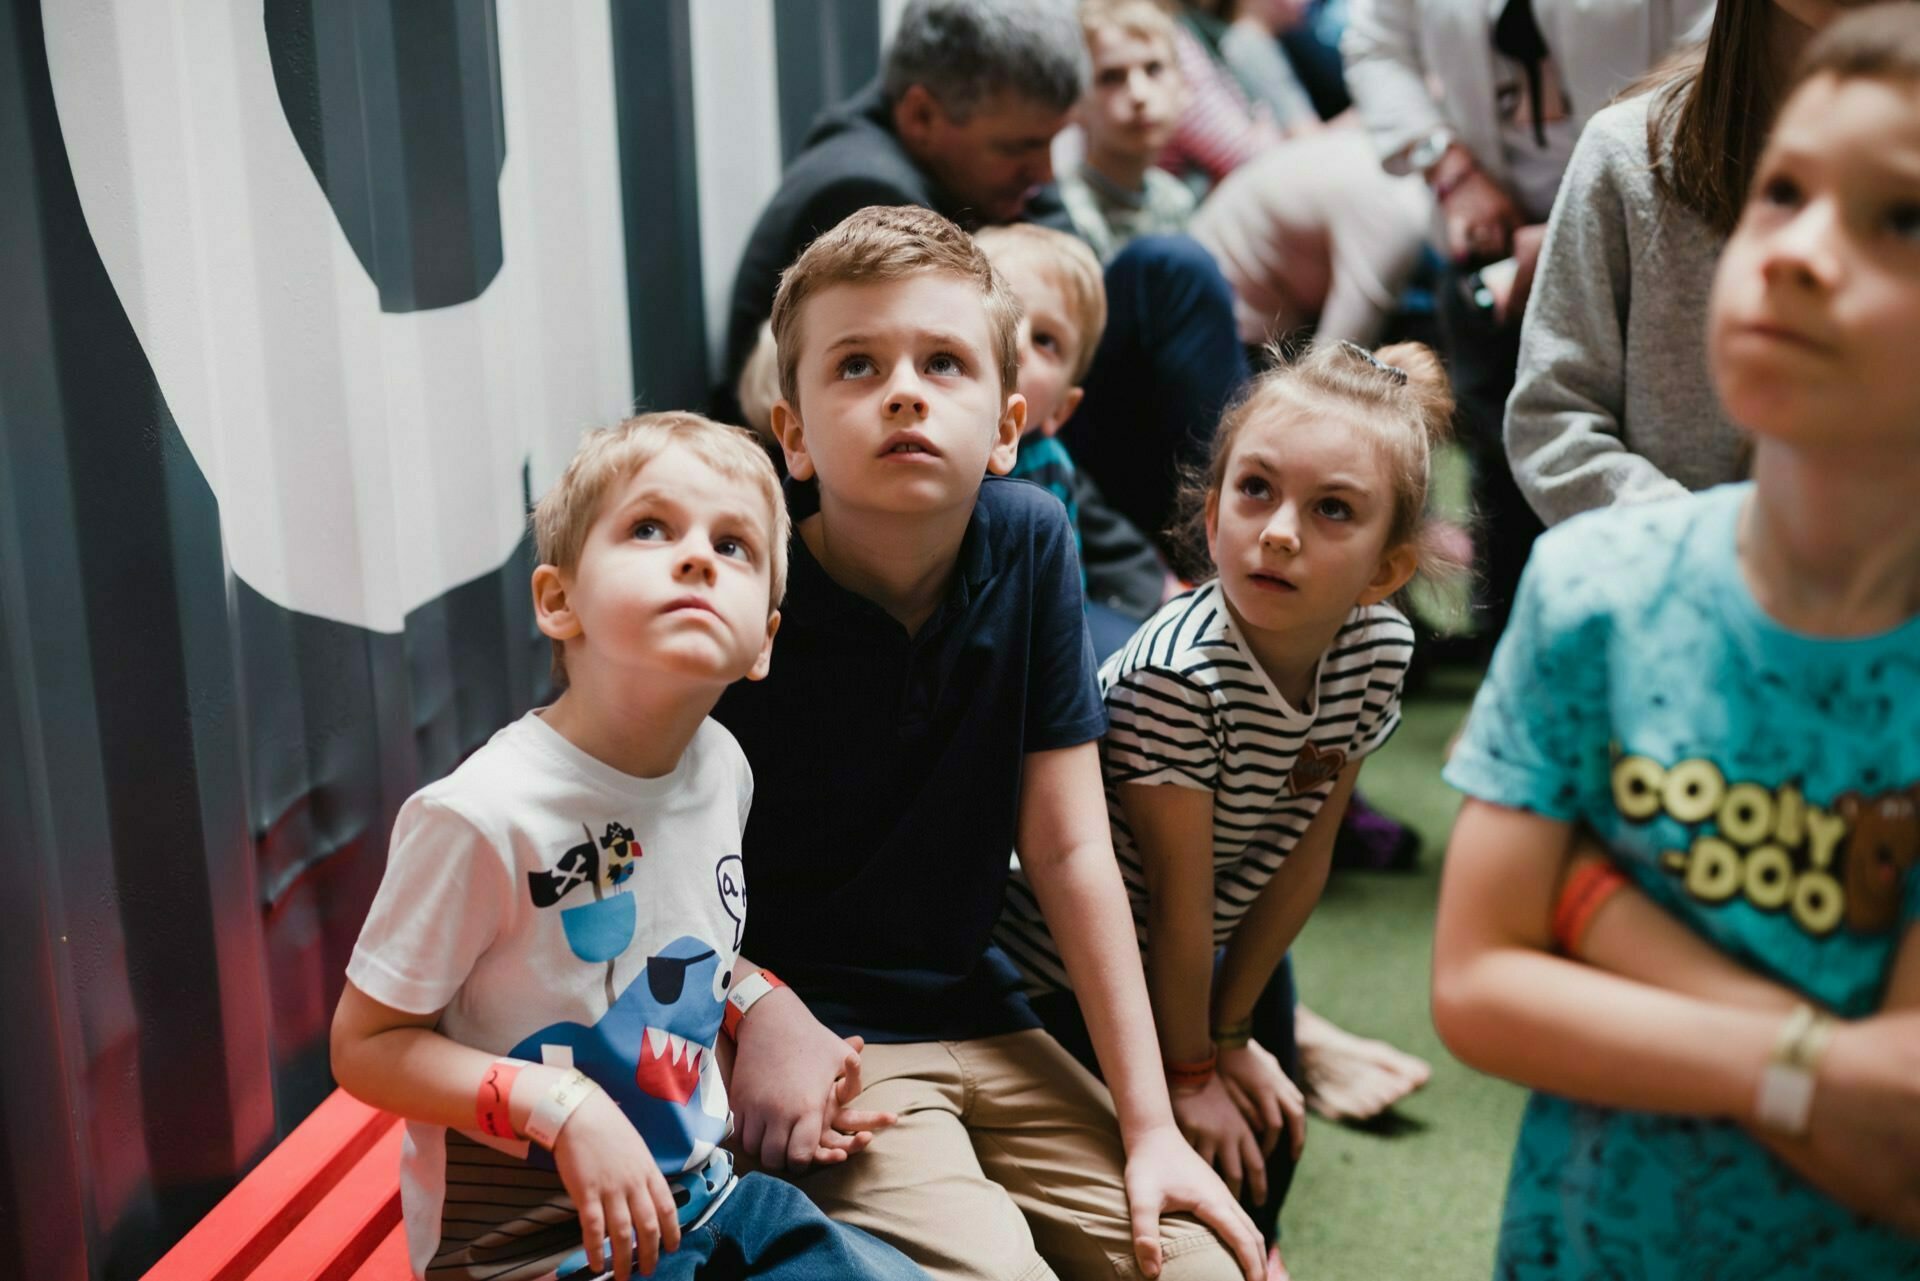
(551, 611)
(763, 662)
(1052, 426)
(1397, 566)
(1006, 442)
(1212, 523)
(792, 435)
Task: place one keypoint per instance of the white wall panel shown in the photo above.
(736, 125)
(365, 461)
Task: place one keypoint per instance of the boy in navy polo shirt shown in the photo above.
(934, 707)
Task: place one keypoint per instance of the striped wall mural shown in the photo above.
(303, 301)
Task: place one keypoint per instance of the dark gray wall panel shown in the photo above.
(46, 1202)
(826, 49)
(659, 186)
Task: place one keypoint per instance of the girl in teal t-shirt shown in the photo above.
(1679, 900)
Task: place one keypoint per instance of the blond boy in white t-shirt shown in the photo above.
(540, 984)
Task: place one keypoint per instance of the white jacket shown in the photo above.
(1414, 66)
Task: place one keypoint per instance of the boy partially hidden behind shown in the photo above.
(540, 983)
(934, 708)
(1064, 304)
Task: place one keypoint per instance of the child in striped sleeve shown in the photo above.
(1239, 717)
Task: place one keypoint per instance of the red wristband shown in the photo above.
(492, 1105)
(1194, 1074)
(1581, 898)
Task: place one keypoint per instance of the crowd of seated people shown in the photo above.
(1023, 654)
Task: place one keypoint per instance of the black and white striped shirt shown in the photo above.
(1188, 706)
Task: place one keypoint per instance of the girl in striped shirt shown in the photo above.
(1239, 716)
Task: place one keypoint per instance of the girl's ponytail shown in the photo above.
(1426, 387)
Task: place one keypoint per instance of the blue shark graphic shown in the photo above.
(650, 1053)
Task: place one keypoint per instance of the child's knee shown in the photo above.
(1195, 1254)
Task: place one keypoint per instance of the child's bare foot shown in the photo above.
(1348, 1077)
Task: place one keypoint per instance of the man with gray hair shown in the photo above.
(961, 121)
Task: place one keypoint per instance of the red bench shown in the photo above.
(323, 1206)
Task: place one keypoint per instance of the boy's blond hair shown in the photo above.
(609, 455)
(759, 385)
(1074, 268)
(887, 243)
(1142, 19)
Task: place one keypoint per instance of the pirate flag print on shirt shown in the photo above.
(602, 929)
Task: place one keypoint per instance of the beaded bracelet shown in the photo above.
(1232, 1036)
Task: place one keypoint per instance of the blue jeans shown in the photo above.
(1272, 1027)
(1168, 363)
(767, 1228)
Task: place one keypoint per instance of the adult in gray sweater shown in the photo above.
(1612, 403)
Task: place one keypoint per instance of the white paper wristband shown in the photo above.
(556, 1105)
(748, 991)
(1784, 1103)
(1786, 1099)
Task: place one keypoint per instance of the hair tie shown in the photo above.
(1394, 372)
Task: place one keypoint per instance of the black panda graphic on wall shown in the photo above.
(375, 259)
(408, 147)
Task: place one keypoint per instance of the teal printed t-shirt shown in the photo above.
(1764, 787)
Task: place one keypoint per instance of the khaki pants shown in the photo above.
(1007, 1158)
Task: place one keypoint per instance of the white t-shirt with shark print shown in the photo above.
(557, 910)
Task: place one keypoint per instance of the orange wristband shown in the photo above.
(1193, 1075)
(1584, 894)
(492, 1104)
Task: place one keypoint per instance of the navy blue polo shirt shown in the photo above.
(887, 773)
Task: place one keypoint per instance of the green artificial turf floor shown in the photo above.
(1418, 1196)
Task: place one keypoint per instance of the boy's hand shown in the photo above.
(1271, 1102)
(616, 1187)
(1165, 1176)
(1219, 1131)
(793, 1082)
(848, 1131)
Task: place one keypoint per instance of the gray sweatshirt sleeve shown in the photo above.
(1564, 419)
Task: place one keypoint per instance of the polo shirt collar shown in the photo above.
(814, 597)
